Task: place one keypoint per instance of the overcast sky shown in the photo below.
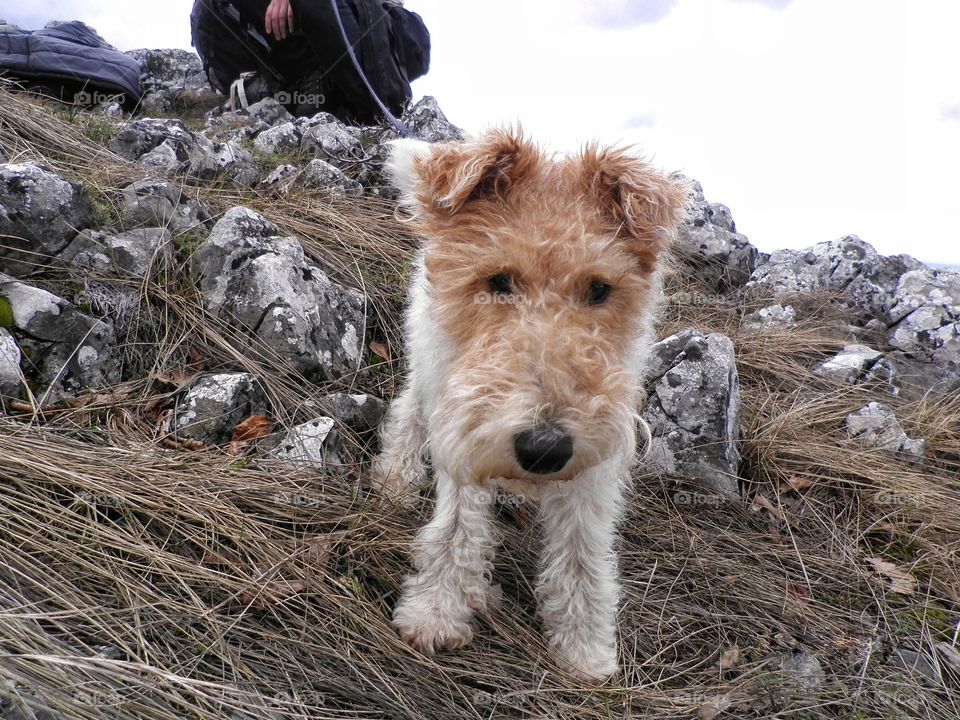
(810, 119)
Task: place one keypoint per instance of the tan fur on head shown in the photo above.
(644, 203)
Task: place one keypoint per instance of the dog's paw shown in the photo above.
(428, 629)
(586, 658)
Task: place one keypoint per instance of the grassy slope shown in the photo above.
(228, 587)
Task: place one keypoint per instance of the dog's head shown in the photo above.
(542, 275)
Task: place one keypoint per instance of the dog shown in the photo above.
(529, 320)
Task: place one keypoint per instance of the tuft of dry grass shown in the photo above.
(140, 578)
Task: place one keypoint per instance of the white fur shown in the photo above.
(401, 167)
(577, 589)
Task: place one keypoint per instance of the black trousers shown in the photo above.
(316, 49)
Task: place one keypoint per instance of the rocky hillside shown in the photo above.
(199, 332)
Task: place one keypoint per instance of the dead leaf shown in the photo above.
(156, 406)
(176, 443)
(212, 558)
(254, 427)
(761, 503)
(794, 484)
(196, 359)
(730, 657)
(317, 550)
(380, 350)
(272, 593)
(249, 430)
(901, 581)
(799, 592)
(713, 707)
(178, 377)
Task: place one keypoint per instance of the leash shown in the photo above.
(397, 125)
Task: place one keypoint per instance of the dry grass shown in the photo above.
(140, 581)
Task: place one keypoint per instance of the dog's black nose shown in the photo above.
(543, 449)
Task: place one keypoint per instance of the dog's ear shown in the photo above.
(642, 203)
(443, 177)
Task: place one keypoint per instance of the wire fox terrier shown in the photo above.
(530, 315)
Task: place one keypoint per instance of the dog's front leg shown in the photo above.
(577, 589)
(399, 471)
(453, 558)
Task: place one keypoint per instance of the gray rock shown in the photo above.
(135, 139)
(693, 409)
(314, 443)
(170, 79)
(64, 350)
(260, 281)
(159, 203)
(110, 109)
(850, 365)
(268, 111)
(848, 267)
(876, 426)
(283, 138)
(328, 139)
(248, 123)
(321, 174)
(771, 316)
(884, 373)
(720, 215)
(237, 126)
(167, 146)
(924, 331)
(231, 161)
(127, 254)
(40, 213)
(280, 178)
(916, 664)
(212, 406)
(717, 253)
(426, 121)
(359, 412)
(163, 160)
(10, 373)
(803, 672)
(826, 266)
(22, 702)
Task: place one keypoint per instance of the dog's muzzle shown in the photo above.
(543, 449)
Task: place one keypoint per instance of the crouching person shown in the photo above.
(352, 58)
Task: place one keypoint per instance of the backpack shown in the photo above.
(70, 61)
(390, 44)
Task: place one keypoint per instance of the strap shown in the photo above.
(402, 129)
(238, 95)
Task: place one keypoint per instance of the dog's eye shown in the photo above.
(501, 284)
(599, 292)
